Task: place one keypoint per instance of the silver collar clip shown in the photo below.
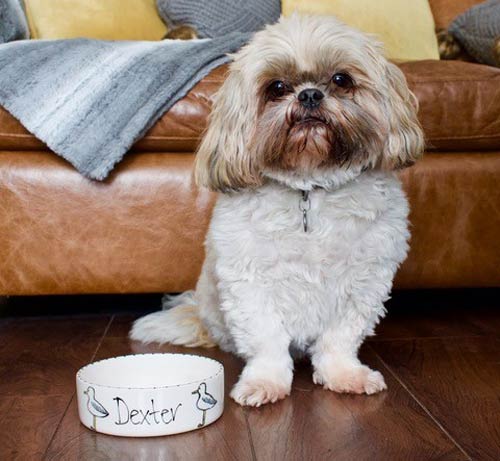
(305, 206)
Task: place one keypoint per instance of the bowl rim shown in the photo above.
(217, 373)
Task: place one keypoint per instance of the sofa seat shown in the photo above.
(142, 230)
(459, 110)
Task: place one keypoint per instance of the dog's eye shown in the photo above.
(277, 89)
(343, 80)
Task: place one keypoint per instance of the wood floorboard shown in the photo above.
(439, 313)
(458, 381)
(41, 356)
(442, 367)
(427, 322)
(317, 424)
(28, 424)
(38, 361)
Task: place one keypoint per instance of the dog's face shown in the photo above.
(308, 95)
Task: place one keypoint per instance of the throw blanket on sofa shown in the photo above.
(90, 100)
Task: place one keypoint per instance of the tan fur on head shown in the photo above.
(223, 162)
(366, 119)
(405, 140)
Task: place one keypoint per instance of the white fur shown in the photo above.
(188, 330)
(267, 286)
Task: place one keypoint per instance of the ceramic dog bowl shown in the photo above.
(148, 395)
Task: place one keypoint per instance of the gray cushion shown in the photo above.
(212, 18)
(477, 30)
(13, 24)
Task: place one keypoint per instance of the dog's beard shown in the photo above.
(312, 142)
(296, 139)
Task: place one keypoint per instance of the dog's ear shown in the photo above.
(405, 138)
(224, 162)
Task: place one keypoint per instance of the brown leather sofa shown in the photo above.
(142, 230)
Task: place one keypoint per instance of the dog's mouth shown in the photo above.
(311, 120)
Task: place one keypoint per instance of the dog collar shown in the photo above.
(304, 207)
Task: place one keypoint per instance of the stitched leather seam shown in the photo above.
(196, 138)
(173, 138)
(492, 80)
(31, 137)
(14, 135)
(488, 136)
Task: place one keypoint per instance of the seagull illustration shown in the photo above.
(205, 401)
(95, 408)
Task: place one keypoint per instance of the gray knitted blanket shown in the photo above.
(90, 100)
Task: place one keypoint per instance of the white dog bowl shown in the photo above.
(147, 395)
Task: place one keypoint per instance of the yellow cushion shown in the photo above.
(101, 19)
(405, 27)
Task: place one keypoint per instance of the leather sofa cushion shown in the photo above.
(459, 110)
(459, 103)
(142, 230)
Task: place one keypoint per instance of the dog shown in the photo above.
(310, 225)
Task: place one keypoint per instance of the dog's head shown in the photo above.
(307, 95)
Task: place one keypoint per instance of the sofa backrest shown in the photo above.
(445, 11)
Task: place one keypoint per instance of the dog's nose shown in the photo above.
(310, 98)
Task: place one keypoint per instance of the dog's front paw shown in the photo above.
(358, 379)
(256, 392)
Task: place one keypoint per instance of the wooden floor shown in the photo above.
(439, 353)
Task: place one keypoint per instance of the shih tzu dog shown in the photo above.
(310, 223)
